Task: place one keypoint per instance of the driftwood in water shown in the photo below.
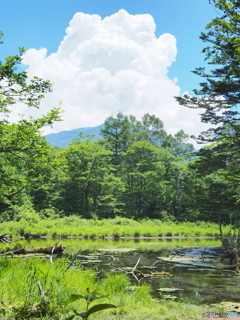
(4, 238)
(49, 250)
(232, 256)
(29, 235)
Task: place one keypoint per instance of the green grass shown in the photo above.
(37, 289)
(123, 227)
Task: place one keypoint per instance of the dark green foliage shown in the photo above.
(217, 169)
(141, 179)
(219, 95)
(125, 175)
(86, 165)
(217, 165)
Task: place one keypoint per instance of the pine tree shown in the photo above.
(219, 93)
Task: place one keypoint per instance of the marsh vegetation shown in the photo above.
(35, 288)
(76, 226)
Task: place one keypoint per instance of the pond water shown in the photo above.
(197, 283)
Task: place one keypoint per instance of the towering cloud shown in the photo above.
(108, 65)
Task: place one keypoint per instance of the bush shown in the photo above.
(27, 213)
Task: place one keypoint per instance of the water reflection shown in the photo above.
(199, 285)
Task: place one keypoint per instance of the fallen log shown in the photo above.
(29, 235)
(48, 250)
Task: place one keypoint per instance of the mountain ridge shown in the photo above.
(62, 139)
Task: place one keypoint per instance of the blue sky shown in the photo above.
(42, 24)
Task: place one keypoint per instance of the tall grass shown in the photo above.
(36, 289)
(118, 227)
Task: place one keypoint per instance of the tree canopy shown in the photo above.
(219, 95)
(219, 98)
(21, 143)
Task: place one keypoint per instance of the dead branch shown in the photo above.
(4, 238)
(49, 250)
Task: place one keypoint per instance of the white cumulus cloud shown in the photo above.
(103, 66)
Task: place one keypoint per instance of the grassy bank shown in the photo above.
(118, 227)
(37, 289)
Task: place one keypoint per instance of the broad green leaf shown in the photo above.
(74, 297)
(100, 307)
(84, 315)
(93, 297)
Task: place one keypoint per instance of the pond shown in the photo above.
(197, 283)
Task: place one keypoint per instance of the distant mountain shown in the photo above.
(62, 139)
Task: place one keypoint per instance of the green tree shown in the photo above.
(155, 181)
(179, 146)
(45, 178)
(217, 165)
(218, 176)
(149, 128)
(219, 95)
(21, 142)
(116, 134)
(143, 178)
(154, 128)
(111, 200)
(86, 166)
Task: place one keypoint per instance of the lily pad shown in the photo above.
(194, 262)
(88, 257)
(127, 269)
(162, 275)
(169, 289)
(117, 250)
(146, 267)
(89, 261)
(169, 297)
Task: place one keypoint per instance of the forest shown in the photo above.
(137, 182)
(137, 170)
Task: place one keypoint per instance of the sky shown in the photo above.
(106, 56)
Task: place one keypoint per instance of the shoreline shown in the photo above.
(114, 237)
